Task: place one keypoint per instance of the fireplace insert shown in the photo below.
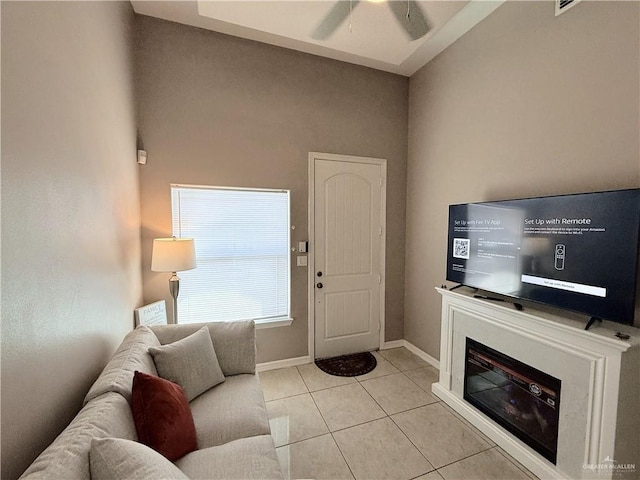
(520, 398)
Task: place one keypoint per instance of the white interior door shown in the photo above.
(348, 229)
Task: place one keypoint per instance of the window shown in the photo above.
(242, 253)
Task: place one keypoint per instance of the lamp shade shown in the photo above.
(173, 255)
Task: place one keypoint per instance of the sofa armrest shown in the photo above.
(234, 342)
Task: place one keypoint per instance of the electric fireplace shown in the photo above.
(520, 398)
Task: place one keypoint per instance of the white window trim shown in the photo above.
(263, 323)
(273, 322)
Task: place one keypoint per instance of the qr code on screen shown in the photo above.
(461, 247)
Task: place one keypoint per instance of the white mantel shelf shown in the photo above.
(599, 416)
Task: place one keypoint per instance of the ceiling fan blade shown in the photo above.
(416, 25)
(330, 23)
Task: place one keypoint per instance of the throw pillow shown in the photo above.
(162, 416)
(111, 458)
(191, 363)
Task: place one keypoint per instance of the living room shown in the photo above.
(525, 104)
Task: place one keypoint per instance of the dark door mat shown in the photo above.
(348, 365)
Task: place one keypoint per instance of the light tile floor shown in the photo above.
(383, 425)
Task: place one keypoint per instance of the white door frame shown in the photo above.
(313, 156)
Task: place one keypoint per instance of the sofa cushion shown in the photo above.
(162, 416)
(234, 342)
(190, 362)
(117, 458)
(232, 410)
(131, 355)
(246, 458)
(68, 456)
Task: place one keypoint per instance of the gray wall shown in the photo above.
(525, 104)
(70, 212)
(219, 110)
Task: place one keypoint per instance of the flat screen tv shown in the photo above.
(577, 252)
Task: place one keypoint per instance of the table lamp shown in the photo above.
(173, 255)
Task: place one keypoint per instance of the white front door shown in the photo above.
(348, 255)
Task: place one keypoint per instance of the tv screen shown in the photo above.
(578, 252)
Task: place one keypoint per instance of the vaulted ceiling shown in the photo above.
(369, 33)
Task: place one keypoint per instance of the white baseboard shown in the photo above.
(287, 362)
(293, 362)
(393, 344)
(413, 349)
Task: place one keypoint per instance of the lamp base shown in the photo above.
(174, 288)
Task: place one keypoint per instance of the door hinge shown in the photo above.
(381, 181)
(380, 231)
(379, 279)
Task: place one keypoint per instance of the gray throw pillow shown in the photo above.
(111, 458)
(191, 363)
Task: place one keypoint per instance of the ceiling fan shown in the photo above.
(408, 14)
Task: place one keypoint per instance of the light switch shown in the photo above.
(301, 261)
(302, 247)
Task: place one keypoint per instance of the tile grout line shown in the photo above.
(320, 412)
(332, 437)
(342, 454)
(288, 396)
(361, 423)
(331, 433)
(490, 445)
(398, 427)
(468, 424)
(465, 458)
(414, 446)
(302, 377)
(387, 415)
(415, 408)
(509, 458)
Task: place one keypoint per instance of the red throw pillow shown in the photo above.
(162, 416)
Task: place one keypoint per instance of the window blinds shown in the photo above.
(242, 253)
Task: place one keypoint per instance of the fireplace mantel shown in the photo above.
(600, 374)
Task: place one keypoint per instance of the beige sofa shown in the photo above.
(231, 420)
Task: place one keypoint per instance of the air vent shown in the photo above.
(564, 5)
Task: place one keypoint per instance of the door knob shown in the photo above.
(319, 274)
(319, 285)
